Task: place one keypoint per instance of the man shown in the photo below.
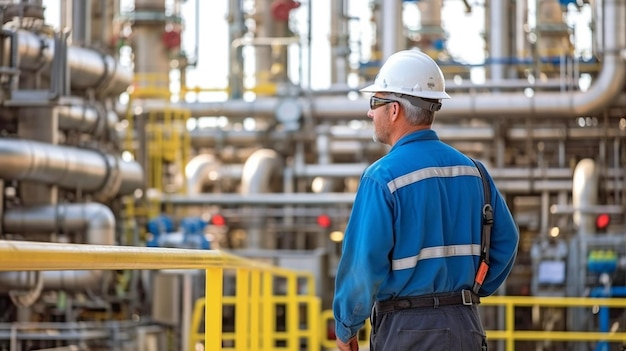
(412, 246)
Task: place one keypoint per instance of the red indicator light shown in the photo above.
(603, 220)
(323, 221)
(218, 220)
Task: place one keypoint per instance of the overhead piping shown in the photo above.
(606, 88)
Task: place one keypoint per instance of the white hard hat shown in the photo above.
(410, 72)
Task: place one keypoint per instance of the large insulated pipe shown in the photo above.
(95, 220)
(606, 87)
(205, 169)
(198, 170)
(86, 118)
(498, 38)
(585, 194)
(90, 171)
(391, 38)
(89, 69)
(258, 170)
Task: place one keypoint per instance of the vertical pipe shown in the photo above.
(521, 23)
(236, 31)
(81, 22)
(309, 65)
(498, 38)
(584, 194)
(339, 42)
(431, 31)
(545, 212)
(151, 55)
(258, 171)
(392, 25)
(617, 156)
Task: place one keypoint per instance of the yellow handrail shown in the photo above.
(510, 334)
(255, 298)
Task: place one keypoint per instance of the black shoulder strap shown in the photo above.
(487, 214)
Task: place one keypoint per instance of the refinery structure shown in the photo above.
(104, 141)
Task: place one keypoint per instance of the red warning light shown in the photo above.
(602, 221)
(218, 220)
(323, 220)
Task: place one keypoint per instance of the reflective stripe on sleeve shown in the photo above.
(431, 172)
(435, 252)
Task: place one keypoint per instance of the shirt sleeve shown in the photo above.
(365, 260)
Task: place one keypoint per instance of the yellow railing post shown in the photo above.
(213, 309)
(314, 322)
(269, 312)
(292, 306)
(255, 313)
(242, 309)
(510, 326)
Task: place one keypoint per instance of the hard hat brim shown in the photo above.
(375, 88)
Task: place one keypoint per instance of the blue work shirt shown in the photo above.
(415, 229)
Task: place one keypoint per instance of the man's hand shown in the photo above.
(351, 345)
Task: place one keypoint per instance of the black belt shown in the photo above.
(463, 297)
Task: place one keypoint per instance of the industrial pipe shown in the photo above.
(258, 170)
(89, 69)
(86, 118)
(606, 87)
(213, 137)
(90, 171)
(585, 194)
(95, 220)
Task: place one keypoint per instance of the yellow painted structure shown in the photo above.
(256, 297)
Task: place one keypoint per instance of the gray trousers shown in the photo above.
(442, 328)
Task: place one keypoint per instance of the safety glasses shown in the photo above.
(376, 102)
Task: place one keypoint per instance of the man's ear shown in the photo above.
(395, 111)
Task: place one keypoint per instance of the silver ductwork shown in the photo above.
(90, 171)
(89, 69)
(95, 220)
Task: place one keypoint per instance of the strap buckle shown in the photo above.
(466, 295)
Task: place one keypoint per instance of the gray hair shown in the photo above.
(415, 115)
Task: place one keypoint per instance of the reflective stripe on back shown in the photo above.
(431, 172)
(436, 252)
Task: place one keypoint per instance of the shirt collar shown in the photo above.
(420, 135)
